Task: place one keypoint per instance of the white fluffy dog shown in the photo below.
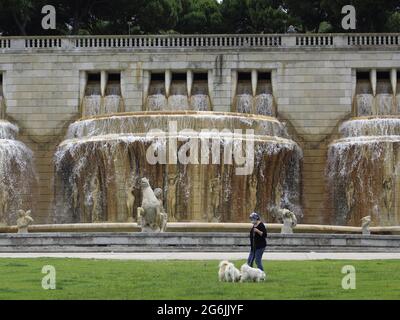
(228, 272)
(251, 274)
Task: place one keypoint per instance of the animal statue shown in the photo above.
(24, 220)
(289, 220)
(365, 222)
(149, 213)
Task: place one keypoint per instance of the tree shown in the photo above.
(393, 23)
(236, 16)
(200, 16)
(16, 15)
(269, 16)
(309, 13)
(371, 15)
(159, 16)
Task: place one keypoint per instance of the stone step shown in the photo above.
(193, 241)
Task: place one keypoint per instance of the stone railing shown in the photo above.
(228, 41)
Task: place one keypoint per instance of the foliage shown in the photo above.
(23, 17)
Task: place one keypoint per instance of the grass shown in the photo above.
(112, 279)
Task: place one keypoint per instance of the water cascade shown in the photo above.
(254, 93)
(178, 95)
(17, 175)
(363, 166)
(199, 95)
(178, 91)
(99, 164)
(102, 94)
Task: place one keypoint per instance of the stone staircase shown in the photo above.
(193, 241)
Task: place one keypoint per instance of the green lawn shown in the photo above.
(107, 279)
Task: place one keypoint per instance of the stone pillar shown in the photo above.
(393, 80)
(189, 82)
(103, 82)
(146, 85)
(372, 77)
(254, 80)
(168, 79)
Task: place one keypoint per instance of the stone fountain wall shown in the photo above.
(313, 89)
(102, 160)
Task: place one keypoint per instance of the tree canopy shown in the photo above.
(23, 17)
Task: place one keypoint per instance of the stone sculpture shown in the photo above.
(4, 198)
(289, 220)
(130, 200)
(24, 220)
(365, 222)
(215, 192)
(171, 196)
(388, 194)
(96, 199)
(164, 217)
(252, 187)
(149, 213)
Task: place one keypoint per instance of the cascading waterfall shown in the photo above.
(102, 158)
(94, 104)
(178, 99)
(17, 174)
(363, 171)
(261, 103)
(200, 100)
(264, 104)
(156, 99)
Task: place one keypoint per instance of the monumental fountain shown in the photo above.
(302, 128)
(363, 166)
(17, 175)
(100, 163)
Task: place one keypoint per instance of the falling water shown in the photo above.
(178, 102)
(156, 102)
(178, 99)
(17, 175)
(264, 104)
(244, 97)
(100, 155)
(200, 102)
(363, 171)
(112, 104)
(244, 103)
(365, 103)
(92, 105)
(200, 99)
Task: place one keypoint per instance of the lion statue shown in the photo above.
(149, 214)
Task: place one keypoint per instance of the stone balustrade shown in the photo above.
(226, 41)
